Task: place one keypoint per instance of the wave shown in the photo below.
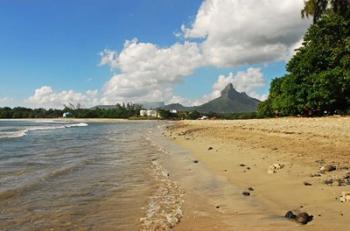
(24, 131)
(164, 209)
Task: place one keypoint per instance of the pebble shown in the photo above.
(210, 148)
(246, 193)
(195, 161)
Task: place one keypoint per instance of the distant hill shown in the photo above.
(230, 101)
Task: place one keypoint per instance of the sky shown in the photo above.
(91, 52)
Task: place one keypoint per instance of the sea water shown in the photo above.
(64, 175)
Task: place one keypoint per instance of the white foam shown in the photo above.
(24, 131)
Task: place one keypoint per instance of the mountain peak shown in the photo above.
(229, 91)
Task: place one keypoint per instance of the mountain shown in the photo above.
(230, 101)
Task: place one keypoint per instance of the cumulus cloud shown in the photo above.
(147, 72)
(46, 97)
(236, 32)
(6, 101)
(225, 33)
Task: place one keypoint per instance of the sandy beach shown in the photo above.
(228, 158)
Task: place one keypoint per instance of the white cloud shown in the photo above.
(148, 72)
(236, 32)
(230, 32)
(6, 101)
(225, 33)
(46, 97)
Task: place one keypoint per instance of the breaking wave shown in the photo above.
(8, 134)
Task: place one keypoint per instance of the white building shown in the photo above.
(66, 114)
(149, 113)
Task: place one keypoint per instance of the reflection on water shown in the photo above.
(95, 177)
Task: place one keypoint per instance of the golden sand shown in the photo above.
(242, 153)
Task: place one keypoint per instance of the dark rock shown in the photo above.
(242, 165)
(246, 193)
(251, 189)
(329, 181)
(218, 206)
(248, 168)
(196, 161)
(307, 183)
(210, 148)
(303, 218)
(328, 168)
(290, 215)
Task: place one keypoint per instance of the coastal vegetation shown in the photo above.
(119, 111)
(318, 78)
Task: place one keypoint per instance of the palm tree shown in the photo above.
(317, 8)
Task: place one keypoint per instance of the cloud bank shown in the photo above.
(224, 33)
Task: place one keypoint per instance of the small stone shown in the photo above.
(328, 181)
(248, 168)
(303, 218)
(251, 189)
(246, 193)
(210, 148)
(242, 165)
(290, 215)
(328, 168)
(218, 206)
(307, 183)
(195, 161)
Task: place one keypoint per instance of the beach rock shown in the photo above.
(250, 189)
(304, 218)
(345, 197)
(195, 161)
(274, 168)
(210, 148)
(328, 168)
(307, 183)
(328, 181)
(301, 218)
(242, 165)
(245, 193)
(290, 215)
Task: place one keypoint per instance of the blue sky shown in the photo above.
(57, 44)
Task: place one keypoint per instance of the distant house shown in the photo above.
(173, 111)
(149, 113)
(66, 114)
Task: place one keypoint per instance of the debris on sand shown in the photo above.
(301, 218)
(328, 168)
(345, 197)
(245, 193)
(196, 161)
(210, 148)
(307, 183)
(274, 168)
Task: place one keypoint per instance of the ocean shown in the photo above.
(66, 175)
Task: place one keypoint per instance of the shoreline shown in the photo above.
(236, 155)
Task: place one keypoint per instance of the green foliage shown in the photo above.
(317, 8)
(319, 73)
(120, 111)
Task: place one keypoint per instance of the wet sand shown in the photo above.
(242, 151)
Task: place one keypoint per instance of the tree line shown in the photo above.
(318, 78)
(119, 111)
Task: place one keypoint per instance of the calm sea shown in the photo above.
(58, 175)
